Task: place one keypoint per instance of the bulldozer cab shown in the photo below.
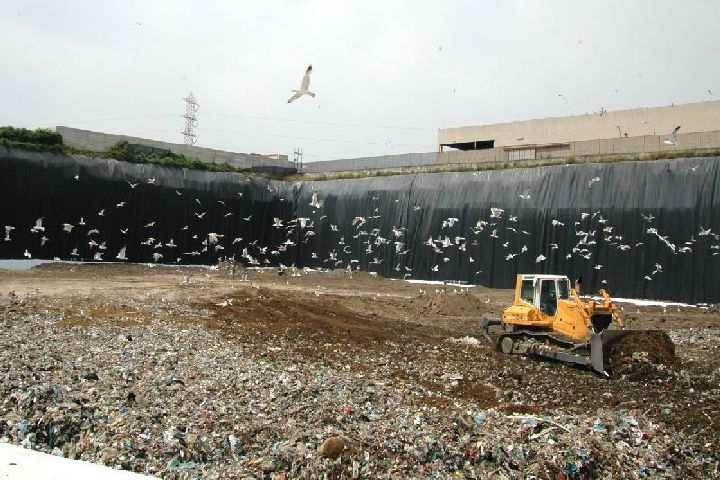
(543, 291)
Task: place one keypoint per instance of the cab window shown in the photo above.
(563, 289)
(527, 292)
(548, 297)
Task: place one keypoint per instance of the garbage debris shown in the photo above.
(281, 384)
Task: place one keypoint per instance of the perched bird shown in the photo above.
(304, 87)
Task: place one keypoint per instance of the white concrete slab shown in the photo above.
(17, 463)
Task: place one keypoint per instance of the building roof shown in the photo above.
(691, 117)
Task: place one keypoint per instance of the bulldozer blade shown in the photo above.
(597, 358)
(609, 349)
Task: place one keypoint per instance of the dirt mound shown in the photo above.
(640, 355)
(452, 305)
(306, 314)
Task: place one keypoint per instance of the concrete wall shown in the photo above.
(612, 146)
(692, 117)
(364, 163)
(97, 141)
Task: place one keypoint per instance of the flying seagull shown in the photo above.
(673, 140)
(38, 226)
(593, 181)
(304, 86)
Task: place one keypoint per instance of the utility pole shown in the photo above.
(191, 122)
(298, 159)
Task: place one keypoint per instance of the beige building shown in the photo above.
(557, 133)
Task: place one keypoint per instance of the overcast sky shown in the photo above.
(387, 74)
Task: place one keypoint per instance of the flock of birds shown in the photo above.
(365, 242)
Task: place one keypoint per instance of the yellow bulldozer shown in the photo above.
(548, 319)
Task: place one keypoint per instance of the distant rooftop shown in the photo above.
(691, 117)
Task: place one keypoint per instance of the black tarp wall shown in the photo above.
(613, 201)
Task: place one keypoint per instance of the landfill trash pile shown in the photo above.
(323, 377)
